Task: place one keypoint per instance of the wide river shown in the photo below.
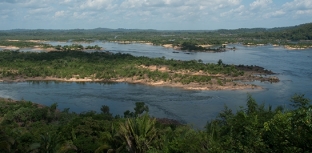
(293, 67)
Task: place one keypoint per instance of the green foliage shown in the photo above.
(139, 109)
(21, 44)
(139, 133)
(6, 142)
(220, 62)
(254, 128)
(190, 46)
(298, 101)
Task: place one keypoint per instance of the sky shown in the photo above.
(153, 14)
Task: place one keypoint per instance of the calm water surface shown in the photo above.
(193, 107)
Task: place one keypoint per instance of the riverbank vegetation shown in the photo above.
(295, 37)
(194, 47)
(105, 66)
(41, 45)
(20, 44)
(29, 127)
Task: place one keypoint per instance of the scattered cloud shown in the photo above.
(96, 4)
(239, 11)
(299, 8)
(260, 4)
(59, 14)
(304, 12)
(157, 14)
(278, 13)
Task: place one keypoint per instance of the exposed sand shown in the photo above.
(36, 48)
(35, 41)
(44, 49)
(171, 46)
(9, 47)
(167, 45)
(295, 47)
(205, 46)
(148, 43)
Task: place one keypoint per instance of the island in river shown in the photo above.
(77, 66)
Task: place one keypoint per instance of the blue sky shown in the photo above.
(153, 14)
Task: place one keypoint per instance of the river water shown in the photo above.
(293, 67)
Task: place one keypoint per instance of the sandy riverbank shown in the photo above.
(36, 48)
(217, 82)
(9, 48)
(134, 80)
(296, 47)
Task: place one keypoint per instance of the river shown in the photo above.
(293, 67)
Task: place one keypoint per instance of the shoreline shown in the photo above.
(217, 81)
(165, 121)
(190, 86)
(287, 47)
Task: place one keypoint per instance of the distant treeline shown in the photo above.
(283, 35)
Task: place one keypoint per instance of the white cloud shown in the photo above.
(298, 4)
(59, 14)
(278, 13)
(182, 10)
(304, 12)
(173, 2)
(97, 4)
(298, 8)
(4, 17)
(65, 1)
(40, 10)
(90, 15)
(35, 3)
(259, 4)
(234, 12)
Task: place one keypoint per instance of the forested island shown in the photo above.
(29, 127)
(105, 66)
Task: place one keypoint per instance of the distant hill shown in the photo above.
(295, 33)
(299, 32)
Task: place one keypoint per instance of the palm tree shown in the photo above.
(112, 142)
(138, 133)
(51, 143)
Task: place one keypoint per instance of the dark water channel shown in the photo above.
(293, 67)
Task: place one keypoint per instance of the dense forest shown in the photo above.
(29, 127)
